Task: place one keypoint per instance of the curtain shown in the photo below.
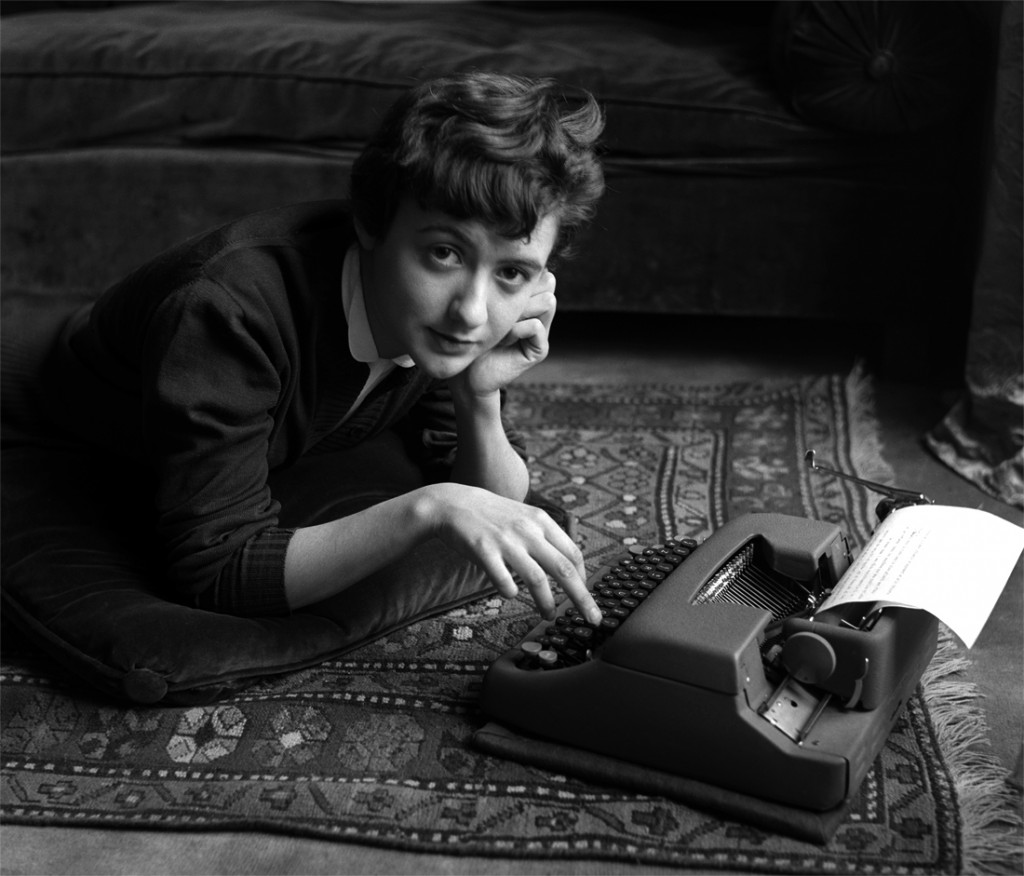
(983, 435)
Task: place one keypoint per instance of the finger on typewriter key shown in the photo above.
(564, 563)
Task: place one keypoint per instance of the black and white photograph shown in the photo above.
(541, 437)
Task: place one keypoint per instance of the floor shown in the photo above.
(606, 350)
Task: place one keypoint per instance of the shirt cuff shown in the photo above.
(252, 584)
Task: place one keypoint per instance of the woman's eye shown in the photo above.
(444, 254)
(512, 276)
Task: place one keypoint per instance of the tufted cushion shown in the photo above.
(878, 66)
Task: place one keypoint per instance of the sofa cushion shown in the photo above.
(303, 75)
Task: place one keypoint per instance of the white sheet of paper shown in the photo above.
(952, 562)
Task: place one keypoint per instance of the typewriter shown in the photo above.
(712, 663)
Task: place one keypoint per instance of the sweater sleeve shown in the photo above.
(211, 384)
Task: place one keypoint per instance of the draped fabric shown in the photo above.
(982, 437)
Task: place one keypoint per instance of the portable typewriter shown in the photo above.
(711, 663)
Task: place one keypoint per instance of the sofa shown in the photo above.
(819, 161)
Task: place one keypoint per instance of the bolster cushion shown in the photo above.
(80, 579)
(876, 66)
(79, 569)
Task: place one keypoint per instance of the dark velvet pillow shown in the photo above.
(78, 561)
(876, 67)
(78, 578)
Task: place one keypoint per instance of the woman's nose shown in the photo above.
(469, 303)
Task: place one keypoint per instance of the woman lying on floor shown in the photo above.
(310, 398)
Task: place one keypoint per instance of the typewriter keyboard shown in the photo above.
(618, 590)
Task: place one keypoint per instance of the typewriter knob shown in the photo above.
(809, 658)
(884, 508)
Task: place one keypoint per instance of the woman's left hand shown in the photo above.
(524, 346)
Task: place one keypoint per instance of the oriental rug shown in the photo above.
(375, 748)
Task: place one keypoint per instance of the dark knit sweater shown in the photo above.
(218, 362)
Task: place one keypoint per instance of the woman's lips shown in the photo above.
(451, 343)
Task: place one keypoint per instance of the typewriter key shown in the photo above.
(530, 650)
(572, 654)
(547, 659)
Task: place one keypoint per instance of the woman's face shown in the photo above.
(444, 290)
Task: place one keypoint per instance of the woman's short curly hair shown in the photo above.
(504, 150)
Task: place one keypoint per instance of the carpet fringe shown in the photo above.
(866, 448)
(990, 808)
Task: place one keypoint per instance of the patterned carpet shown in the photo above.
(375, 748)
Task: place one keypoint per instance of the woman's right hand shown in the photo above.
(504, 537)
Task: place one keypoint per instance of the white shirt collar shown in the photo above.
(360, 337)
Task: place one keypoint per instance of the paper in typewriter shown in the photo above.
(952, 562)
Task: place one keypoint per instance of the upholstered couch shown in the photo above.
(817, 160)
